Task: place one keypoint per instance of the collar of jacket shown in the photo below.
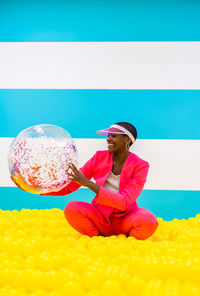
(126, 171)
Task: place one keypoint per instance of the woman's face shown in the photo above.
(117, 142)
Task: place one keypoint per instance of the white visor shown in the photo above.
(116, 129)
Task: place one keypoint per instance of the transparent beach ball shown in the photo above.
(39, 158)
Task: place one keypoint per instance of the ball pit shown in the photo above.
(40, 254)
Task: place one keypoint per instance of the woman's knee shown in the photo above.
(145, 228)
(70, 209)
(150, 228)
(79, 215)
(77, 209)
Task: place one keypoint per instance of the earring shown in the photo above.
(127, 147)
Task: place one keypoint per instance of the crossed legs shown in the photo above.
(86, 219)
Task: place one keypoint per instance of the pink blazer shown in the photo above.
(132, 179)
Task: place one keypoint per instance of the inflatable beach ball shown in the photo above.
(39, 158)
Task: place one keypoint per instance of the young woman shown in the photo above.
(119, 179)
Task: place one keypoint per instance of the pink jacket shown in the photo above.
(132, 180)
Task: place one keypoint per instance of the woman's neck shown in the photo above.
(120, 157)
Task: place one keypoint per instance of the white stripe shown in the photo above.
(174, 164)
(100, 65)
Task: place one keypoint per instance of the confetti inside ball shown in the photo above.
(39, 158)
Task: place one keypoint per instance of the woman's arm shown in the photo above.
(78, 177)
(130, 193)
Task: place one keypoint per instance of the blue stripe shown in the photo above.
(163, 203)
(157, 114)
(130, 20)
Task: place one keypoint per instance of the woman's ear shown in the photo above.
(128, 141)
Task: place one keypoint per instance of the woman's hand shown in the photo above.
(81, 179)
(77, 175)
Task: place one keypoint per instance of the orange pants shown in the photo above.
(88, 220)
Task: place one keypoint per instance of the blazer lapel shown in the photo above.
(126, 172)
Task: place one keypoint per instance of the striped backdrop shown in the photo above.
(84, 65)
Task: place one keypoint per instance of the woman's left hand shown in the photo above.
(77, 175)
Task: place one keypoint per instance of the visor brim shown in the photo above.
(110, 130)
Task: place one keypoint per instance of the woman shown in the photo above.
(119, 179)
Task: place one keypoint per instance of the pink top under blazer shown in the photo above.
(132, 179)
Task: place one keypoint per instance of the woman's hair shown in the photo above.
(130, 128)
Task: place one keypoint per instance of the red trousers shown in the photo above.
(88, 220)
